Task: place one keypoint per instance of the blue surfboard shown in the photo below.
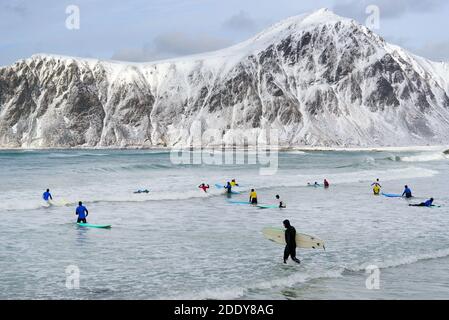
(392, 195)
(238, 202)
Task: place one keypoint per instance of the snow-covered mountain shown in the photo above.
(320, 79)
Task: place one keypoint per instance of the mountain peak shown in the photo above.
(299, 23)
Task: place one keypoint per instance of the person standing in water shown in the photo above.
(290, 240)
(326, 183)
(82, 213)
(228, 187)
(253, 197)
(204, 187)
(281, 203)
(427, 203)
(234, 184)
(376, 187)
(407, 192)
(47, 195)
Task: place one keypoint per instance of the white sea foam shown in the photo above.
(425, 157)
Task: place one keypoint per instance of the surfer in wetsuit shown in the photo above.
(142, 191)
(281, 203)
(253, 197)
(47, 195)
(407, 192)
(290, 239)
(376, 187)
(204, 187)
(326, 183)
(82, 213)
(228, 187)
(234, 184)
(427, 203)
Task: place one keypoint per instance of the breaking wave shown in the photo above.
(424, 157)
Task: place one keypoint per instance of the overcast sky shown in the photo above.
(145, 30)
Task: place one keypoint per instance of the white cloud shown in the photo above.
(240, 22)
(170, 45)
(437, 51)
(388, 8)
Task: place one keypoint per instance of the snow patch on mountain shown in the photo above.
(319, 79)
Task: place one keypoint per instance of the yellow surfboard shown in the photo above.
(302, 240)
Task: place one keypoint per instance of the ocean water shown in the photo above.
(179, 243)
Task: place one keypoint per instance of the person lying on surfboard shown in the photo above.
(47, 195)
(315, 184)
(427, 203)
(82, 213)
(290, 239)
(281, 203)
(407, 192)
(142, 191)
(204, 187)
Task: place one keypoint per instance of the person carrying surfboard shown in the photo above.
(82, 213)
(427, 203)
(281, 203)
(204, 187)
(290, 239)
(376, 187)
(253, 197)
(47, 195)
(407, 192)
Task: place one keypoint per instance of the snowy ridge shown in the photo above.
(319, 79)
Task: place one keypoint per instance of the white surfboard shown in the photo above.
(302, 240)
(61, 203)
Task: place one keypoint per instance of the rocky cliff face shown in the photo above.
(319, 79)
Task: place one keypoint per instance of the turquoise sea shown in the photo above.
(177, 242)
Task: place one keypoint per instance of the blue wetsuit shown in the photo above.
(82, 213)
(228, 188)
(47, 195)
(407, 192)
(428, 203)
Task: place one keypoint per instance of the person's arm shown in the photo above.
(51, 198)
(403, 193)
(87, 212)
(76, 212)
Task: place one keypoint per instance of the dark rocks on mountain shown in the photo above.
(333, 83)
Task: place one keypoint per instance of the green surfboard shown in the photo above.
(100, 226)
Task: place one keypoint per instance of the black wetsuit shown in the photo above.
(290, 248)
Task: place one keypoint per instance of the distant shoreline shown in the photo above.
(441, 148)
